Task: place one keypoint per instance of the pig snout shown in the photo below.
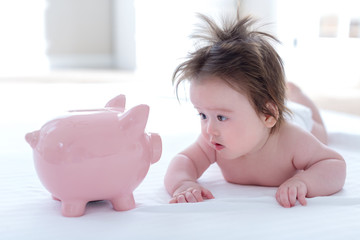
(32, 138)
(156, 144)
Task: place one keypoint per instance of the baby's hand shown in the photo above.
(193, 193)
(290, 191)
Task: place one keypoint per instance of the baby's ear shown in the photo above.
(270, 120)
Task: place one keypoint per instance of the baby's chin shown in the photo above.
(226, 154)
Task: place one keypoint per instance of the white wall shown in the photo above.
(79, 33)
(163, 28)
(151, 36)
(22, 43)
(322, 63)
(124, 47)
(265, 11)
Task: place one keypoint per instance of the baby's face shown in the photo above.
(228, 120)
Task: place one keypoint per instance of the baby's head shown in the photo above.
(244, 59)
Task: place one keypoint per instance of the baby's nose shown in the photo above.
(212, 129)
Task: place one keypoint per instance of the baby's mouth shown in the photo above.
(218, 146)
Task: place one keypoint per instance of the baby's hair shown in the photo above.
(243, 58)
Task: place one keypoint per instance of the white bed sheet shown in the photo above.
(237, 212)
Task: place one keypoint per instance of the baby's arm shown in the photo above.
(184, 170)
(322, 172)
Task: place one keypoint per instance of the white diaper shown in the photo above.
(301, 115)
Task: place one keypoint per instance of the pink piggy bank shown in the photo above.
(99, 154)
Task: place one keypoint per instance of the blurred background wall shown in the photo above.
(320, 38)
(121, 34)
(79, 33)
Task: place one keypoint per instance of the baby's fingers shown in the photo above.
(198, 195)
(282, 197)
(298, 192)
(192, 195)
(207, 194)
(302, 196)
(189, 196)
(293, 192)
(178, 199)
(288, 195)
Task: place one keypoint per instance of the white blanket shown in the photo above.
(237, 212)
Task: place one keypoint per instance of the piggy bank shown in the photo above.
(97, 154)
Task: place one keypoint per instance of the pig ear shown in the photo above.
(117, 102)
(136, 118)
(32, 138)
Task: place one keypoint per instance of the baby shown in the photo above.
(237, 85)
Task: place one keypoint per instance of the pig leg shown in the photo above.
(73, 208)
(123, 203)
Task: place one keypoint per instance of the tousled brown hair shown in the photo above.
(243, 58)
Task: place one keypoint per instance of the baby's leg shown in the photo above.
(295, 94)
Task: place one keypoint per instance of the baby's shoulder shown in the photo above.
(305, 148)
(301, 144)
(289, 129)
(290, 134)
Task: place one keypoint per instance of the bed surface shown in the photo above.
(237, 212)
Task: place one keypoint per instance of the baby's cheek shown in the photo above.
(233, 137)
(204, 132)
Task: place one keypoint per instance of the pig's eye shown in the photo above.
(202, 116)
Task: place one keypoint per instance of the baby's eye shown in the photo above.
(202, 116)
(221, 118)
